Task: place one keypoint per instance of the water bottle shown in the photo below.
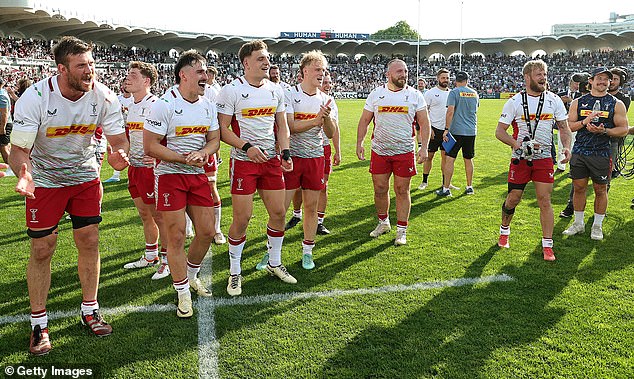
(596, 108)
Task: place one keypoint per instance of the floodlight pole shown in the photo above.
(460, 56)
(418, 45)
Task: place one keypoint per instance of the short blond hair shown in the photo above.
(531, 65)
(310, 57)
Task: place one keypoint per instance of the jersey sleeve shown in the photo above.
(334, 110)
(560, 109)
(157, 121)
(421, 103)
(508, 112)
(225, 101)
(27, 112)
(214, 117)
(428, 96)
(112, 118)
(369, 102)
(281, 106)
(289, 102)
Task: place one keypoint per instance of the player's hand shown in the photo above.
(117, 159)
(196, 159)
(287, 165)
(256, 155)
(596, 129)
(2, 167)
(336, 159)
(421, 156)
(444, 136)
(25, 186)
(567, 155)
(148, 160)
(361, 153)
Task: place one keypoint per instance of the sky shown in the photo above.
(438, 19)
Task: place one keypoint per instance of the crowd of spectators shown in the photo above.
(489, 74)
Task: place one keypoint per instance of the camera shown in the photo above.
(528, 149)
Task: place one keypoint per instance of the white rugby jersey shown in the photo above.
(553, 110)
(185, 126)
(394, 113)
(307, 144)
(211, 92)
(125, 105)
(253, 109)
(436, 100)
(137, 112)
(63, 153)
(334, 114)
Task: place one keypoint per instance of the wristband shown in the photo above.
(246, 147)
(286, 154)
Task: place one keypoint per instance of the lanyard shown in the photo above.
(527, 115)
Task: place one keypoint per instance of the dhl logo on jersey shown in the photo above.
(304, 116)
(393, 109)
(62, 131)
(189, 130)
(133, 126)
(467, 94)
(586, 112)
(542, 117)
(258, 112)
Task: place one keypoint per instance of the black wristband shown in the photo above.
(286, 154)
(246, 147)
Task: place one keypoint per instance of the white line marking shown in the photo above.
(208, 345)
(211, 303)
(250, 300)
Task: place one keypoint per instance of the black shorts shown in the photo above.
(435, 142)
(591, 166)
(5, 139)
(466, 143)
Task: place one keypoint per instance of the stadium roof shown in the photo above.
(19, 19)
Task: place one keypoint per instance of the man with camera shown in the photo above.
(532, 113)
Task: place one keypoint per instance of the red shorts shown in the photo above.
(327, 159)
(176, 191)
(307, 174)
(141, 183)
(402, 165)
(49, 204)
(541, 171)
(211, 165)
(246, 177)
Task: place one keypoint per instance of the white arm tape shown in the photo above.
(23, 139)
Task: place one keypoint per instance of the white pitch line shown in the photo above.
(105, 311)
(250, 300)
(211, 303)
(208, 345)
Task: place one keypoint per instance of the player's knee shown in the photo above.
(506, 210)
(83, 221)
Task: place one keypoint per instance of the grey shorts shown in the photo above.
(591, 166)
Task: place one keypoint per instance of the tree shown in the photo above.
(400, 31)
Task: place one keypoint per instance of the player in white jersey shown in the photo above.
(53, 149)
(211, 167)
(125, 99)
(532, 113)
(308, 116)
(275, 77)
(181, 132)
(436, 99)
(141, 77)
(252, 105)
(330, 160)
(393, 107)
